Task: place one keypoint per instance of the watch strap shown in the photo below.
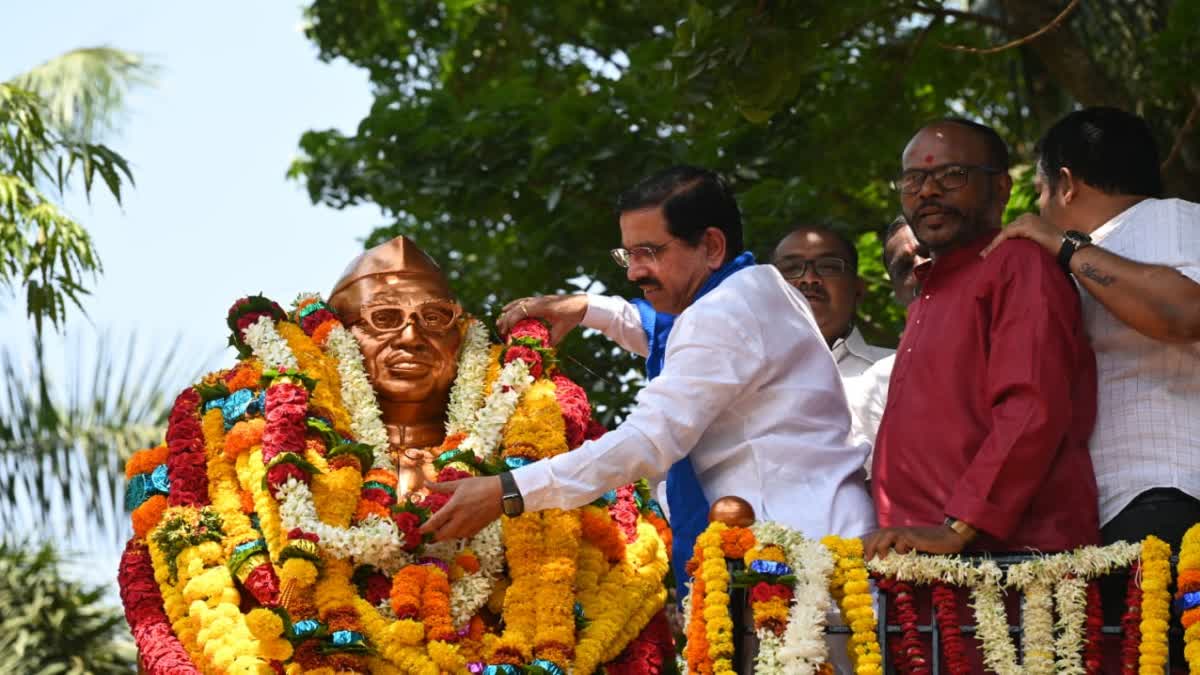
(511, 500)
(1072, 241)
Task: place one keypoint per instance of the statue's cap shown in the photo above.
(395, 263)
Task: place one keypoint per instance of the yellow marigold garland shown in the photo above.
(1189, 583)
(852, 590)
(1156, 605)
(718, 625)
(554, 639)
(327, 395)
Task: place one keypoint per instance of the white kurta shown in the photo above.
(749, 391)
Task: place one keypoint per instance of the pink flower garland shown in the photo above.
(187, 465)
(160, 652)
(285, 410)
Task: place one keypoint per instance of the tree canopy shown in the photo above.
(502, 132)
(51, 118)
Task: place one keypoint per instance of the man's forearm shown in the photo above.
(1154, 300)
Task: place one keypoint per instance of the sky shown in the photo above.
(212, 216)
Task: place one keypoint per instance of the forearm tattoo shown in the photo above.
(1096, 275)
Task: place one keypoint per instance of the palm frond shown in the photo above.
(84, 90)
(64, 442)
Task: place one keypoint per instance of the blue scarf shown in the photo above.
(688, 505)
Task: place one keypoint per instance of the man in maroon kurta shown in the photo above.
(983, 443)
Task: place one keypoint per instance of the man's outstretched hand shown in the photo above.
(474, 502)
(939, 539)
(562, 312)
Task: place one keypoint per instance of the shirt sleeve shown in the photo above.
(709, 363)
(867, 396)
(619, 320)
(1035, 340)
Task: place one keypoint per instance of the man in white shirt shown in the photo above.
(867, 392)
(1136, 259)
(822, 264)
(748, 398)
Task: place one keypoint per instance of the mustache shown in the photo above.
(647, 283)
(933, 205)
(814, 289)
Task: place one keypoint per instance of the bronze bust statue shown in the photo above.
(396, 302)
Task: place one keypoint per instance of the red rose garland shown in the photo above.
(1093, 651)
(624, 512)
(159, 651)
(527, 354)
(285, 410)
(910, 657)
(576, 411)
(946, 610)
(1131, 622)
(187, 465)
(533, 329)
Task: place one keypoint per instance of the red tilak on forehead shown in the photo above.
(929, 159)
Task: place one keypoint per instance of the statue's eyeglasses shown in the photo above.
(435, 316)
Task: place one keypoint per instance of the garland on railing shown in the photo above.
(1188, 596)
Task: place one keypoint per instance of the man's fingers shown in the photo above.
(438, 520)
(446, 488)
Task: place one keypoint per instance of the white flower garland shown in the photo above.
(366, 419)
(1071, 600)
(802, 648)
(1037, 629)
(1062, 577)
(466, 396)
(499, 406)
(373, 541)
(269, 346)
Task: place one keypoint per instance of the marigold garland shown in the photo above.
(1156, 605)
(851, 588)
(1188, 596)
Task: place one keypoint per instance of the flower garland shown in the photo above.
(803, 646)
(718, 624)
(1070, 600)
(1094, 647)
(850, 586)
(1037, 631)
(945, 607)
(1131, 621)
(159, 650)
(269, 346)
(1188, 596)
(498, 407)
(187, 468)
(1156, 605)
(366, 421)
(909, 653)
(466, 396)
(374, 541)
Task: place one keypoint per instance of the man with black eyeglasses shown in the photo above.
(822, 264)
(983, 442)
(744, 397)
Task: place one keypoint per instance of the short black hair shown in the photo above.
(832, 230)
(892, 228)
(1107, 148)
(997, 149)
(692, 200)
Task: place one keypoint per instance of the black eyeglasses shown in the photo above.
(638, 254)
(435, 317)
(949, 177)
(795, 268)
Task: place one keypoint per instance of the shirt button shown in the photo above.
(909, 349)
(926, 296)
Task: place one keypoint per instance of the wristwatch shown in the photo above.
(1072, 241)
(963, 530)
(511, 501)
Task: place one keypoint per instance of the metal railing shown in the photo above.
(746, 646)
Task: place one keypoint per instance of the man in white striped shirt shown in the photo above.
(1136, 259)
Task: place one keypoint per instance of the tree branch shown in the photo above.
(1188, 125)
(1020, 41)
